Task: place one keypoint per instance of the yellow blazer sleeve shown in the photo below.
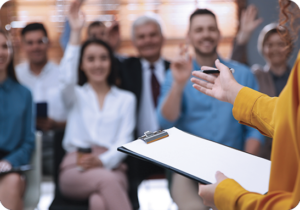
(229, 195)
(255, 109)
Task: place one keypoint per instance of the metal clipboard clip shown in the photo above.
(150, 137)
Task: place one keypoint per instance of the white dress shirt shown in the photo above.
(44, 88)
(147, 120)
(87, 124)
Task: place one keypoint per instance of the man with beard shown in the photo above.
(143, 76)
(182, 106)
(41, 76)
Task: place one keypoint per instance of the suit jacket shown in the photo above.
(131, 76)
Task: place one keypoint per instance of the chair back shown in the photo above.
(34, 176)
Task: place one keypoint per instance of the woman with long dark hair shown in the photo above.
(274, 117)
(101, 117)
(16, 128)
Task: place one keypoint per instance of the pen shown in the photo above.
(214, 71)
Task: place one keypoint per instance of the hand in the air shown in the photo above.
(181, 66)
(249, 22)
(76, 16)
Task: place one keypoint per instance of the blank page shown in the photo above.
(203, 158)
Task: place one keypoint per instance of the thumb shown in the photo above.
(220, 176)
(222, 67)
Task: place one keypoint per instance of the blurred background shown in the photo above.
(174, 17)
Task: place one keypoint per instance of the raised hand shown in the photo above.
(181, 67)
(76, 16)
(222, 87)
(248, 24)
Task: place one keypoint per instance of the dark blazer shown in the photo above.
(131, 75)
(131, 79)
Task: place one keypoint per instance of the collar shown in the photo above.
(146, 64)
(7, 84)
(45, 69)
(196, 66)
(113, 89)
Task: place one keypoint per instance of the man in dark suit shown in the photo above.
(143, 76)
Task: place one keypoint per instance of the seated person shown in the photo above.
(101, 117)
(39, 75)
(182, 106)
(272, 77)
(16, 128)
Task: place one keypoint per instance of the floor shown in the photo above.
(153, 195)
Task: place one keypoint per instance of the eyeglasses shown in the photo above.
(44, 40)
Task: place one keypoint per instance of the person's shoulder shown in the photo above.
(258, 70)
(23, 90)
(21, 68)
(131, 60)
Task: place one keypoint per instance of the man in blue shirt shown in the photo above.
(186, 108)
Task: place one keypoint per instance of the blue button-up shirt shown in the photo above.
(16, 122)
(208, 117)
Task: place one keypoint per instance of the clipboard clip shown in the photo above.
(150, 137)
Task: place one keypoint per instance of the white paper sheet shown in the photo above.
(203, 158)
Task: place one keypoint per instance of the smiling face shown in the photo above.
(36, 45)
(148, 40)
(5, 53)
(274, 50)
(96, 63)
(204, 34)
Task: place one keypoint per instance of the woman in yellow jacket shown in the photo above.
(278, 118)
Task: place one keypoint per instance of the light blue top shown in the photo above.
(16, 122)
(208, 117)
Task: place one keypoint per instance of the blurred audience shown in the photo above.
(39, 74)
(272, 77)
(16, 128)
(143, 76)
(101, 118)
(97, 30)
(182, 106)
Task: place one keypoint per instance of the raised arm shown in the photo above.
(248, 24)
(181, 69)
(70, 61)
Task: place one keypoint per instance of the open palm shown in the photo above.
(76, 16)
(222, 86)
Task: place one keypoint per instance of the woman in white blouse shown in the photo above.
(101, 117)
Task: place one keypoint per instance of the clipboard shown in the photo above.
(178, 152)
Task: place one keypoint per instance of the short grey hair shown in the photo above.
(143, 20)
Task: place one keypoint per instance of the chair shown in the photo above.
(60, 202)
(34, 176)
